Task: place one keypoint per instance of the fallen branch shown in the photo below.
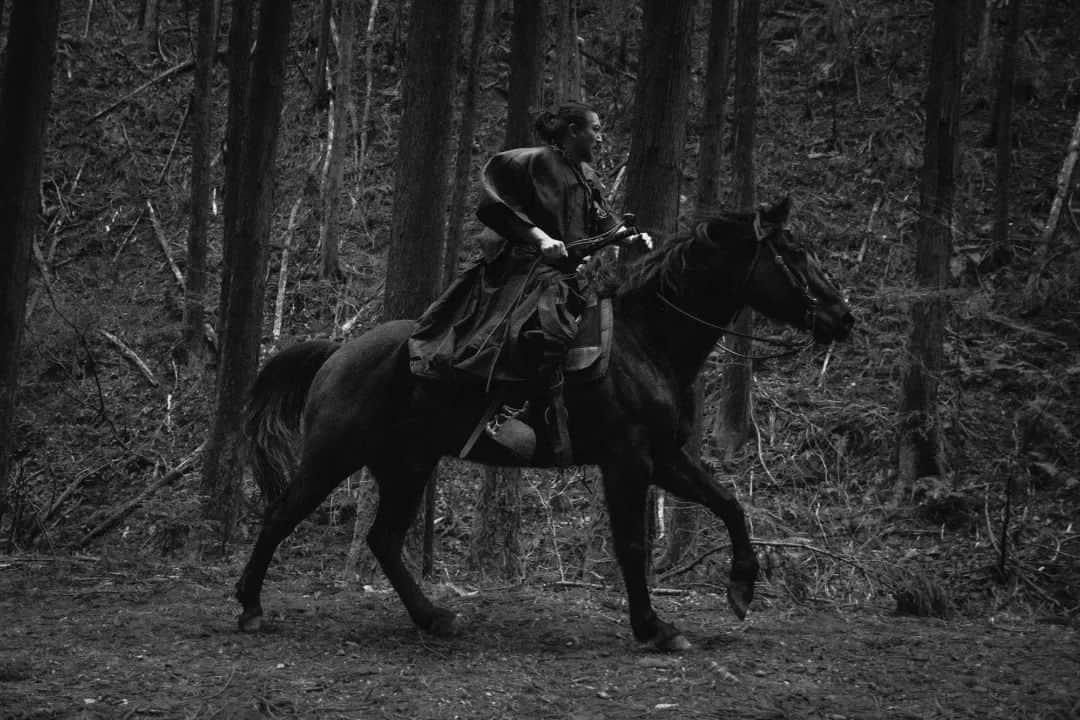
(767, 543)
(124, 510)
(1064, 182)
(131, 356)
(179, 68)
(160, 234)
(74, 485)
(176, 139)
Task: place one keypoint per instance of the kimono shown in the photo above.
(511, 313)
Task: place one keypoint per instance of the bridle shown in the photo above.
(797, 280)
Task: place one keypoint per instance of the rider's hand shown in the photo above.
(643, 237)
(550, 248)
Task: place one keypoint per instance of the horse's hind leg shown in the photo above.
(310, 486)
(689, 479)
(401, 487)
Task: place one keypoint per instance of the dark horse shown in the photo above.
(354, 405)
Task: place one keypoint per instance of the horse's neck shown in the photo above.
(676, 328)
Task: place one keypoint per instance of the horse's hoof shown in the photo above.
(739, 595)
(672, 643)
(250, 622)
(444, 624)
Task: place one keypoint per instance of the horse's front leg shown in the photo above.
(688, 478)
(626, 484)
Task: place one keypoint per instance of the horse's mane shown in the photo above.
(658, 269)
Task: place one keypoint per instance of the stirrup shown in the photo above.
(507, 430)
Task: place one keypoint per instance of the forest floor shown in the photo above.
(86, 637)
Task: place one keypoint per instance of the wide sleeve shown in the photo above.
(520, 191)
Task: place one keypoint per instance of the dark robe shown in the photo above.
(512, 312)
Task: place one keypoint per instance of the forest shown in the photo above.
(176, 211)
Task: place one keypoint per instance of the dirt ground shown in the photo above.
(94, 638)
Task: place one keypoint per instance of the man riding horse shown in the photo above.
(513, 315)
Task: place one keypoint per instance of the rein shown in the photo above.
(804, 286)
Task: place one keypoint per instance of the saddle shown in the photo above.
(587, 359)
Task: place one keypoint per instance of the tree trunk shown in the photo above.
(495, 545)
(321, 100)
(249, 243)
(24, 110)
(239, 81)
(150, 24)
(658, 138)
(463, 171)
(732, 425)
(329, 235)
(567, 54)
(661, 101)
(418, 227)
(500, 487)
(201, 110)
(527, 44)
(920, 443)
(1002, 246)
(712, 122)
(684, 518)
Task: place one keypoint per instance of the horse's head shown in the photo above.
(785, 282)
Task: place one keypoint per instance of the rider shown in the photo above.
(535, 200)
(538, 199)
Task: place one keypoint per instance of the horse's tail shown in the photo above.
(276, 402)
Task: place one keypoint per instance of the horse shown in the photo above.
(340, 407)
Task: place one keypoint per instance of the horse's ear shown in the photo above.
(777, 214)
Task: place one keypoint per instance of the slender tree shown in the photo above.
(248, 244)
(567, 54)
(195, 283)
(149, 24)
(24, 109)
(920, 447)
(527, 45)
(338, 139)
(683, 520)
(1002, 122)
(321, 90)
(733, 419)
(463, 170)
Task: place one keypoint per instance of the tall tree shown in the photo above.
(654, 168)
(24, 109)
(463, 170)
(684, 516)
(527, 44)
(657, 142)
(338, 140)
(733, 419)
(494, 541)
(1002, 123)
(201, 110)
(247, 240)
(418, 228)
(920, 447)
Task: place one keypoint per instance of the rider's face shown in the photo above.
(585, 138)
